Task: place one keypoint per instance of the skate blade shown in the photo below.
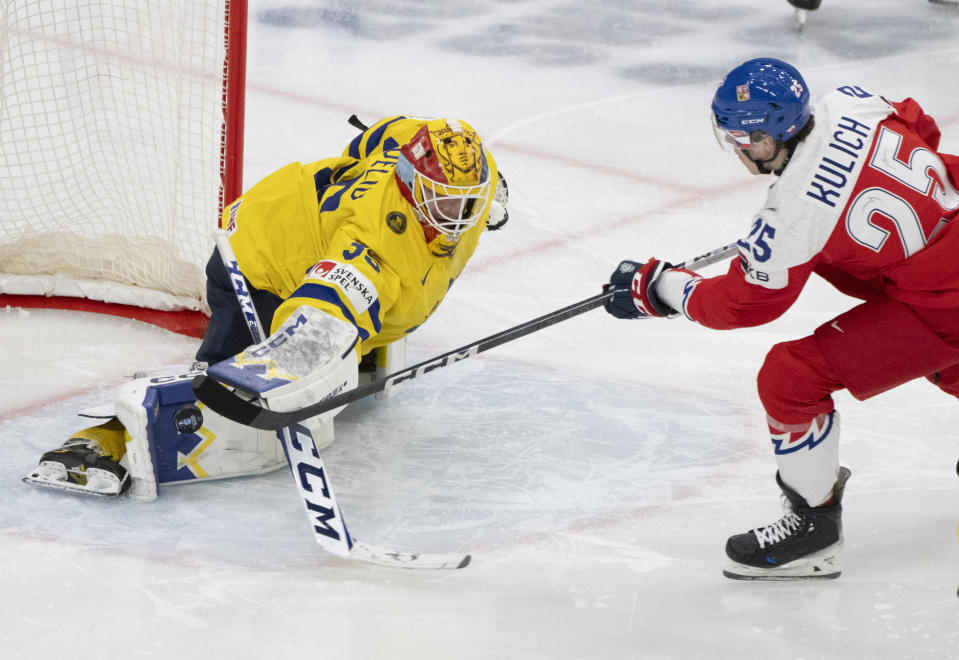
(91, 482)
(825, 567)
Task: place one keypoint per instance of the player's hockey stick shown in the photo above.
(329, 528)
(233, 406)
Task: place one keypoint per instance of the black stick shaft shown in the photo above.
(226, 403)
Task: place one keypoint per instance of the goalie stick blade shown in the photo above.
(223, 401)
(391, 559)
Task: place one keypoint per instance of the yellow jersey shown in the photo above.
(339, 235)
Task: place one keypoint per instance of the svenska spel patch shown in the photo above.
(742, 92)
(355, 285)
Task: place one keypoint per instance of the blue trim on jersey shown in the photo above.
(321, 180)
(332, 202)
(371, 143)
(330, 294)
(354, 149)
(374, 311)
(687, 291)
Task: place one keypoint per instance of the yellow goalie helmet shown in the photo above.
(446, 177)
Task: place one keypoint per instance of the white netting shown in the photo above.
(111, 118)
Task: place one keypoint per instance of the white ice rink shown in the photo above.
(594, 469)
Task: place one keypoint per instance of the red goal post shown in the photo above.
(121, 139)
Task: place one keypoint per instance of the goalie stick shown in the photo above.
(322, 510)
(234, 406)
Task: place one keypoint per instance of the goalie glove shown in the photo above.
(644, 290)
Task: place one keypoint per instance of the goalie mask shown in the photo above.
(444, 174)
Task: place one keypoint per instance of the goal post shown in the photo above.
(121, 139)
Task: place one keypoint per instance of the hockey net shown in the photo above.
(121, 126)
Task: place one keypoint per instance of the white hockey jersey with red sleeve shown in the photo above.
(866, 202)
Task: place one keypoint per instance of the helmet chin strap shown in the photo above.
(761, 165)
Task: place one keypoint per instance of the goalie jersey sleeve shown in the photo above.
(866, 203)
(338, 234)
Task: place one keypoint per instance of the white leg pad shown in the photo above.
(173, 439)
(390, 359)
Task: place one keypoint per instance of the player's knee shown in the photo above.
(779, 369)
(792, 382)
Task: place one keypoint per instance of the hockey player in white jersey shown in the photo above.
(863, 199)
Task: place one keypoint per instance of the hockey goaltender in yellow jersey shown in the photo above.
(340, 235)
(342, 257)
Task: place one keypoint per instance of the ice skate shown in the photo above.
(82, 465)
(804, 544)
(803, 7)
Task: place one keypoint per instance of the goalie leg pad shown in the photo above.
(172, 438)
(382, 362)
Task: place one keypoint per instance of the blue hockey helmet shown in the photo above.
(763, 94)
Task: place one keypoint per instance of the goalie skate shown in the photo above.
(80, 466)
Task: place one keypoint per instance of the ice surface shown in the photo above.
(593, 469)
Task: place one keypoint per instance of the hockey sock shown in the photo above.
(107, 436)
(808, 456)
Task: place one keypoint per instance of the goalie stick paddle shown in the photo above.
(234, 406)
(309, 472)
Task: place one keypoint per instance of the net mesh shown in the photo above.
(111, 119)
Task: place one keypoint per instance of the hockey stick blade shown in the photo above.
(233, 406)
(326, 518)
(229, 404)
(392, 559)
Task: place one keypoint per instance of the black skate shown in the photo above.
(80, 466)
(802, 545)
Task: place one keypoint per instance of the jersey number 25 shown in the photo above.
(913, 173)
